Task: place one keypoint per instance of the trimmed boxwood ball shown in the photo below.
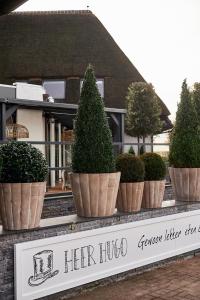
(131, 168)
(22, 163)
(155, 168)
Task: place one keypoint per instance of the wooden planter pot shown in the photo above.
(129, 197)
(95, 194)
(185, 183)
(153, 194)
(21, 204)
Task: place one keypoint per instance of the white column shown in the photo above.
(52, 152)
(59, 150)
(64, 157)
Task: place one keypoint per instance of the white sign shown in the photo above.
(50, 265)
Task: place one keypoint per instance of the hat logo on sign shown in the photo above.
(43, 268)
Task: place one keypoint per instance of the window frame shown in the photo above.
(56, 80)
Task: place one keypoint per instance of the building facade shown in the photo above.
(53, 49)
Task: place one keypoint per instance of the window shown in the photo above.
(100, 86)
(55, 88)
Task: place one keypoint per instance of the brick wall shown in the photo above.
(57, 207)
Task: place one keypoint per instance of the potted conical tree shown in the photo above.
(22, 185)
(184, 156)
(154, 180)
(131, 185)
(94, 179)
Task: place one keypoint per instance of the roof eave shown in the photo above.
(8, 6)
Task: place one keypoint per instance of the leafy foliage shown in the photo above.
(143, 110)
(196, 99)
(131, 150)
(22, 162)
(185, 138)
(155, 168)
(131, 168)
(92, 150)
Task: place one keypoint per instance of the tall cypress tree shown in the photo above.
(196, 99)
(92, 150)
(185, 139)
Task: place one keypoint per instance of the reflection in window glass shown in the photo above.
(55, 88)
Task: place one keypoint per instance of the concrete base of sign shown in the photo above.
(70, 224)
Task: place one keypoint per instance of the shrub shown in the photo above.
(22, 163)
(185, 138)
(196, 98)
(155, 168)
(92, 150)
(131, 168)
(142, 150)
(131, 150)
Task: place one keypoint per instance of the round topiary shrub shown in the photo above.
(131, 168)
(22, 163)
(155, 168)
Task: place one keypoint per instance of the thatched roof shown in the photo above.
(60, 44)
(7, 6)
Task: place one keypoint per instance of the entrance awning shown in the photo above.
(57, 110)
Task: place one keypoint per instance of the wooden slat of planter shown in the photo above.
(186, 183)
(94, 196)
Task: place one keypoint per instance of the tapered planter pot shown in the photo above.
(153, 194)
(185, 183)
(21, 204)
(95, 194)
(129, 197)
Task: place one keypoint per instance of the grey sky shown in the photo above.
(160, 37)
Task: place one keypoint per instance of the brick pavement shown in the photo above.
(175, 281)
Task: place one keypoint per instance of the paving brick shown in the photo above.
(170, 282)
